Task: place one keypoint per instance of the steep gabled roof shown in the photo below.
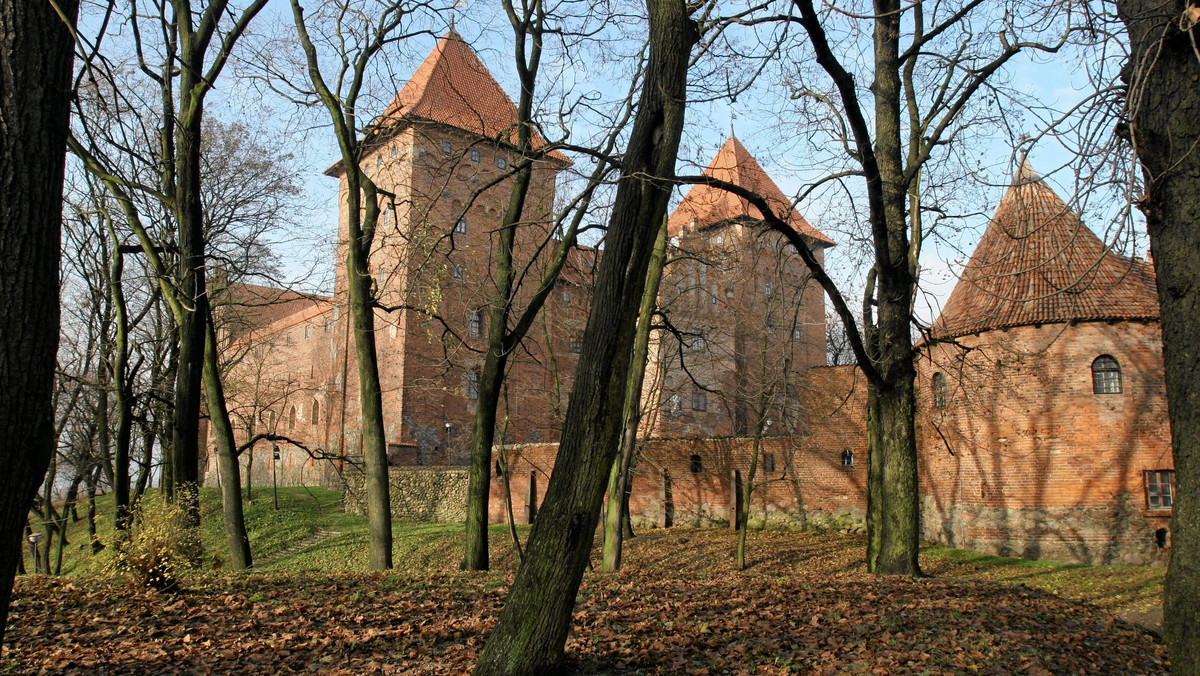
(1037, 263)
(709, 205)
(453, 87)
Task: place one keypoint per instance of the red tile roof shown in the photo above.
(709, 205)
(453, 87)
(1037, 263)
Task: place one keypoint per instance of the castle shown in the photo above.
(1042, 422)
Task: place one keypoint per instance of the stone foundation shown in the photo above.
(417, 494)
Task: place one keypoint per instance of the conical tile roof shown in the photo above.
(454, 88)
(1037, 263)
(709, 205)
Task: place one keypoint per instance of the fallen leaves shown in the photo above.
(679, 607)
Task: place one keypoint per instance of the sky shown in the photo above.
(759, 119)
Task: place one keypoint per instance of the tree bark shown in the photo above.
(227, 463)
(1163, 104)
(617, 515)
(36, 51)
(532, 628)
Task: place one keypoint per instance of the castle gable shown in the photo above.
(1038, 263)
(708, 205)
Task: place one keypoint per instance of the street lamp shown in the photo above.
(34, 539)
(274, 473)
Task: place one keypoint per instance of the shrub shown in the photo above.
(159, 546)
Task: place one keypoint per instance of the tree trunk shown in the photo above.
(35, 80)
(532, 628)
(121, 385)
(894, 437)
(1165, 124)
(227, 463)
(617, 515)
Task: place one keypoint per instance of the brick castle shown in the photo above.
(1042, 421)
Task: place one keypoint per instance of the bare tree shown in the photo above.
(37, 48)
(1163, 121)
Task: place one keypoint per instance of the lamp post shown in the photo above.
(274, 473)
(34, 539)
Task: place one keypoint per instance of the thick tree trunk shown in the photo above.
(617, 515)
(1165, 121)
(893, 437)
(227, 464)
(530, 633)
(36, 52)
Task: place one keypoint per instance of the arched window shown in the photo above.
(939, 390)
(292, 418)
(1106, 375)
(697, 464)
(847, 458)
(316, 413)
(460, 226)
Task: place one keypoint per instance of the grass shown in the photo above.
(420, 548)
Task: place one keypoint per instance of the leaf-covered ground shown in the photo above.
(805, 606)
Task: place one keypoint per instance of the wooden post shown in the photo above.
(736, 513)
(531, 499)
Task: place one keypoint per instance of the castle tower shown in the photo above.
(444, 153)
(748, 318)
(1042, 422)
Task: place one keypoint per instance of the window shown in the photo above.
(714, 299)
(697, 465)
(476, 324)
(501, 163)
(796, 333)
(457, 272)
(473, 384)
(307, 330)
(1160, 488)
(847, 458)
(316, 413)
(566, 296)
(719, 239)
(292, 418)
(328, 324)
(1106, 375)
(382, 277)
(769, 462)
(698, 340)
(447, 148)
(770, 329)
(939, 390)
(674, 405)
(699, 400)
(768, 289)
(577, 342)
(460, 227)
(288, 339)
(475, 155)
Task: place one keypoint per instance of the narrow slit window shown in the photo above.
(939, 390)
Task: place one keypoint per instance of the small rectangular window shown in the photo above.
(460, 227)
(476, 324)
(474, 155)
(699, 400)
(501, 163)
(769, 462)
(1160, 488)
(457, 272)
(577, 342)
(769, 289)
(328, 325)
(447, 148)
(473, 384)
(307, 330)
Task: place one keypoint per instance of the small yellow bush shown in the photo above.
(159, 546)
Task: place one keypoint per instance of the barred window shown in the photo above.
(939, 390)
(473, 384)
(698, 340)
(1160, 488)
(1106, 375)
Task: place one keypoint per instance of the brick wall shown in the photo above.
(1024, 458)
